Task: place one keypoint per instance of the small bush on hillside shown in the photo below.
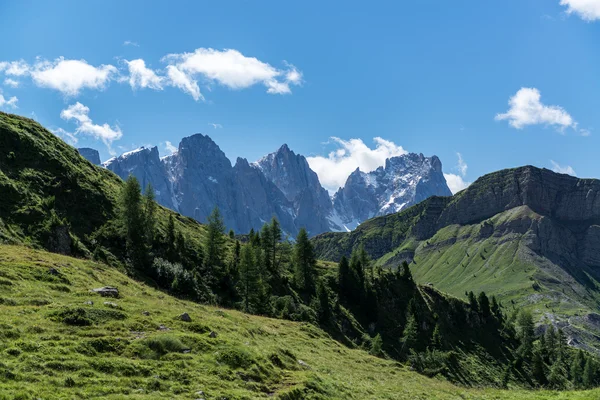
(236, 357)
(157, 346)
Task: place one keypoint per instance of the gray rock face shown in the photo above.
(563, 197)
(202, 178)
(91, 155)
(405, 180)
(146, 166)
(199, 177)
(291, 173)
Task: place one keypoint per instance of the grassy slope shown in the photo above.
(36, 166)
(113, 358)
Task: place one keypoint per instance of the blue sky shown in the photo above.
(432, 77)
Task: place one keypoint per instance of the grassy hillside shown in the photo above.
(53, 198)
(55, 344)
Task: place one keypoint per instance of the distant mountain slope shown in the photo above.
(528, 235)
(403, 181)
(199, 177)
(91, 155)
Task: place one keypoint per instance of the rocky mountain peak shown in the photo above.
(403, 181)
(89, 154)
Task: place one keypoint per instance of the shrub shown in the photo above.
(236, 357)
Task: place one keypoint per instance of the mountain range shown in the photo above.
(199, 176)
(529, 236)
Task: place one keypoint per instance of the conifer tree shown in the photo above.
(551, 343)
(410, 333)
(324, 312)
(214, 245)
(304, 263)
(557, 375)
(526, 334)
(576, 369)
(473, 302)
(171, 238)
(436, 339)
(249, 278)
(495, 308)
(538, 368)
(406, 271)
(132, 219)
(484, 305)
(376, 346)
(150, 208)
(589, 373)
(344, 279)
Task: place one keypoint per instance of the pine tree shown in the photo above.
(436, 339)
(576, 369)
(276, 237)
(344, 279)
(495, 308)
(473, 302)
(589, 373)
(249, 278)
(410, 333)
(526, 334)
(557, 376)
(376, 346)
(304, 263)
(132, 219)
(324, 312)
(171, 253)
(538, 368)
(484, 305)
(150, 208)
(406, 271)
(551, 343)
(214, 245)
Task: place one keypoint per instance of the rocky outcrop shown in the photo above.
(405, 180)
(291, 173)
(563, 197)
(146, 166)
(91, 155)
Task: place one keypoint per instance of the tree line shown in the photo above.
(358, 303)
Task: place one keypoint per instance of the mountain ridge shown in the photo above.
(199, 177)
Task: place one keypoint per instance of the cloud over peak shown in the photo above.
(80, 115)
(334, 169)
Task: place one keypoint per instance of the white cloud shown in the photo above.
(130, 43)
(66, 136)
(11, 82)
(588, 10)
(71, 76)
(334, 169)
(14, 68)
(8, 103)
(527, 109)
(215, 125)
(456, 183)
(229, 68)
(142, 77)
(462, 165)
(184, 82)
(567, 169)
(79, 113)
(169, 147)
